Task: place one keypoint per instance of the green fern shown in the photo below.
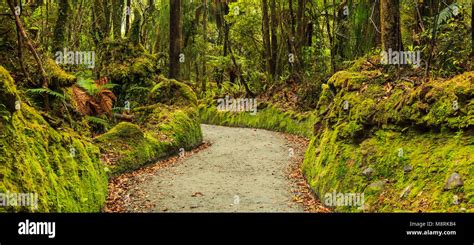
(91, 87)
(40, 91)
(447, 13)
(98, 121)
(88, 85)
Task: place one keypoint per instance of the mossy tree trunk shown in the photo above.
(59, 37)
(127, 16)
(134, 34)
(390, 22)
(117, 15)
(176, 36)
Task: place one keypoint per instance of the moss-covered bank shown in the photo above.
(269, 117)
(406, 147)
(61, 166)
(157, 131)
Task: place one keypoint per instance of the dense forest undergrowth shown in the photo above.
(382, 89)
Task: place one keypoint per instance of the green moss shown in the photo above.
(123, 131)
(57, 76)
(172, 92)
(269, 118)
(332, 163)
(9, 94)
(410, 136)
(61, 167)
(347, 80)
(440, 104)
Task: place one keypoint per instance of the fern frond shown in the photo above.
(35, 91)
(98, 121)
(447, 13)
(88, 85)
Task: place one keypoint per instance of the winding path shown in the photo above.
(243, 170)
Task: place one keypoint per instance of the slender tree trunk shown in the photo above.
(32, 49)
(226, 29)
(20, 55)
(432, 42)
(266, 36)
(175, 37)
(127, 16)
(330, 37)
(204, 30)
(274, 40)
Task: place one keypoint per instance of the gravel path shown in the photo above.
(243, 170)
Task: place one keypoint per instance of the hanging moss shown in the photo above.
(61, 167)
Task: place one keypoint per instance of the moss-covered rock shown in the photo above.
(172, 92)
(61, 167)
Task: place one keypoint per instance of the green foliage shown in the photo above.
(92, 88)
(42, 91)
(447, 13)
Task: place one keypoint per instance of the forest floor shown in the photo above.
(236, 170)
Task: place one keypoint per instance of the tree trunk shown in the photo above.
(59, 37)
(204, 32)
(175, 37)
(127, 16)
(32, 49)
(266, 36)
(117, 18)
(330, 37)
(390, 22)
(226, 28)
(274, 41)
